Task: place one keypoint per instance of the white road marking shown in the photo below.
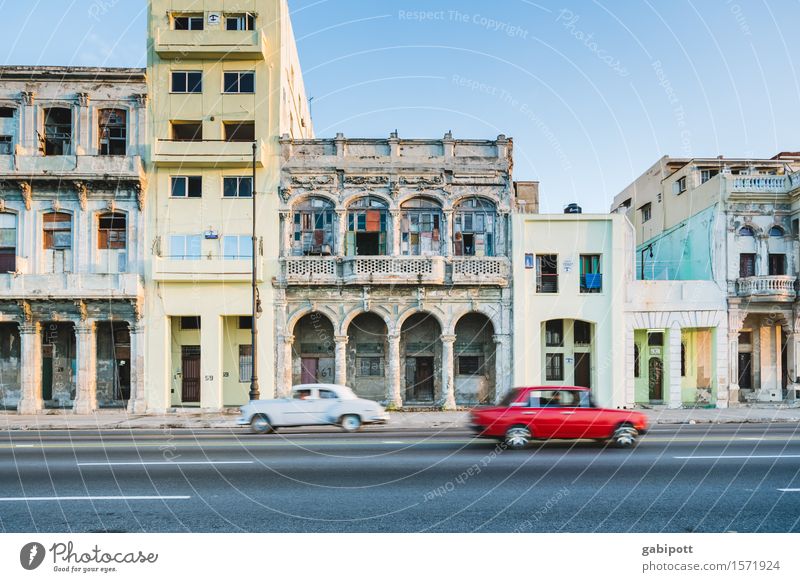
(100, 498)
(24, 446)
(751, 438)
(393, 442)
(142, 463)
(741, 457)
(790, 490)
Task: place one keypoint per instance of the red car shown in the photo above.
(548, 412)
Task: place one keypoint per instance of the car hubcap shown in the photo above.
(351, 423)
(260, 423)
(625, 436)
(517, 437)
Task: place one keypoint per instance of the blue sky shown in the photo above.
(592, 92)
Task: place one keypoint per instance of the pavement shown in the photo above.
(680, 478)
(194, 419)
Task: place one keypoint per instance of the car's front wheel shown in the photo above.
(260, 424)
(624, 436)
(518, 437)
(350, 422)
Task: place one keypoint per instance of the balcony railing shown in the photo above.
(775, 287)
(305, 270)
(481, 270)
(400, 270)
(758, 184)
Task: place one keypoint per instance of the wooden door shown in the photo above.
(190, 373)
(745, 370)
(583, 370)
(309, 370)
(423, 379)
(656, 379)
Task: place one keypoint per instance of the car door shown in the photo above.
(578, 418)
(542, 413)
(302, 407)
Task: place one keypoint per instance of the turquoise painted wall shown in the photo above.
(682, 253)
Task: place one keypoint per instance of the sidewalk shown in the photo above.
(186, 419)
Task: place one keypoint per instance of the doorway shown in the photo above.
(656, 380)
(419, 378)
(368, 244)
(190, 373)
(746, 370)
(583, 370)
(309, 370)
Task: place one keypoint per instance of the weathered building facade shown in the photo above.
(394, 268)
(72, 188)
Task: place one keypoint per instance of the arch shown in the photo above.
(300, 313)
(299, 199)
(439, 197)
(349, 201)
(776, 230)
(312, 226)
(404, 315)
(494, 318)
(747, 230)
(421, 227)
(457, 202)
(381, 312)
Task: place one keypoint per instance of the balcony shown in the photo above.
(481, 271)
(245, 45)
(83, 166)
(70, 286)
(771, 184)
(310, 270)
(213, 269)
(768, 288)
(393, 270)
(208, 153)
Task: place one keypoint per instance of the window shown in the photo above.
(6, 145)
(245, 363)
(776, 231)
(187, 186)
(245, 21)
(647, 212)
(328, 394)
(187, 22)
(470, 365)
(591, 277)
(57, 131)
(245, 322)
(8, 242)
(474, 228)
(190, 322)
(366, 227)
(57, 231)
(554, 333)
(636, 361)
(706, 175)
(777, 265)
(113, 132)
(237, 187)
(420, 226)
(680, 185)
(655, 339)
(747, 265)
(187, 131)
(187, 82)
(746, 231)
(244, 131)
(583, 333)
(547, 273)
(237, 247)
(112, 233)
(554, 367)
(745, 338)
(304, 394)
(6, 112)
(369, 366)
(239, 82)
(185, 246)
(313, 228)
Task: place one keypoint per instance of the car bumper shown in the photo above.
(379, 419)
(242, 421)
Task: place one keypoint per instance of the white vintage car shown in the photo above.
(312, 404)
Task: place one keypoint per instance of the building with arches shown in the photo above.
(395, 271)
(72, 191)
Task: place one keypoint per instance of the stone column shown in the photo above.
(137, 404)
(81, 137)
(733, 367)
(27, 124)
(448, 384)
(674, 375)
(86, 359)
(285, 365)
(30, 336)
(394, 396)
(447, 234)
(341, 232)
(341, 359)
(211, 331)
(501, 365)
(285, 234)
(395, 232)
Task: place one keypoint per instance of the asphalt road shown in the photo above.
(689, 478)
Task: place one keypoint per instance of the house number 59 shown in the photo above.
(209, 378)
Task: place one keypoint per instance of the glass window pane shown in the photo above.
(179, 186)
(247, 83)
(194, 245)
(179, 82)
(194, 82)
(231, 82)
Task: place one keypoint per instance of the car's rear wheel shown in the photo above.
(350, 422)
(260, 424)
(518, 437)
(624, 436)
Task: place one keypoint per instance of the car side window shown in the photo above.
(535, 401)
(569, 399)
(301, 394)
(586, 400)
(329, 394)
(550, 399)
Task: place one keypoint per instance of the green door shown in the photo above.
(47, 372)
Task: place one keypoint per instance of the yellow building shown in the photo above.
(223, 75)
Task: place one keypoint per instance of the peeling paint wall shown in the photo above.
(9, 365)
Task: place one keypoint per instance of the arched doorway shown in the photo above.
(421, 353)
(656, 379)
(474, 360)
(366, 356)
(313, 350)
